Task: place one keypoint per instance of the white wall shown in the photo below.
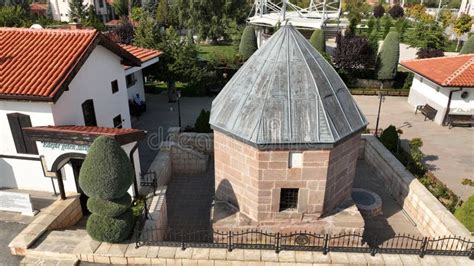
(93, 82)
(138, 87)
(60, 8)
(18, 173)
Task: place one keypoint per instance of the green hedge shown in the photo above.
(468, 47)
(109, 208)
(106, 173)
(465, 214)
(318, 41)
(113, 230)
(389, 138)
(248, 43)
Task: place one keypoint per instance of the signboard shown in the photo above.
(64, 147)
(16, 202)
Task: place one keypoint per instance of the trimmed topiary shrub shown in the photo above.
(318, 41)
(202, 122)
(248, 43)
(110, 208)
(105, 177)
(106, 172)
(465, 214)
(379, 11)
(388, 57)
(468, 46)
(396, 11)
(389, 138)
(114, 230)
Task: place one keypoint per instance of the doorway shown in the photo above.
(76, 169)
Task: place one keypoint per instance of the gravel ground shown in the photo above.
(7, 232)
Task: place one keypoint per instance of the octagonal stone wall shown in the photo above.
(251, 179)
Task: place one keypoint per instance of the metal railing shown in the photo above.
(306, 241)
(149, 179)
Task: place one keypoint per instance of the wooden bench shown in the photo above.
(428, 111)
(460, 120)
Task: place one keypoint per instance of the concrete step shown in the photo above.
(30, 261)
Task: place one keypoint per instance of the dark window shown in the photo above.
(131, 80)
(101, 3)
(23, 143)
(288, 199)
(89, 113)
(114, 85)
(118, 121)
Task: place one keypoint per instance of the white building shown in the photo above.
(60, 90)
(467, 6)
(444, 83)
(60, 9)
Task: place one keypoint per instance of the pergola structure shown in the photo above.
(266, 13)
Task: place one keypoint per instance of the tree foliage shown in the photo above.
(91, 19)
(465, 214)
(124, 31)
(353, 53)
(462, 25)
(379, 11)
(77, 10)
(389, 138)
(429, 53)
(396, 11)
(387, 24)
(418, 12)
(468, 47)
(147, 32)
(13, 16)
(357, 9)
(388, 57)
(162, 12)
(427, 35)
(120, 7)
(248, 43)
(318, 41)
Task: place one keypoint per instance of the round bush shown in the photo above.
(110, 230)
(389, 138)
(109, 208)
(465, 214)
(317, 41)
(106, 172)
(248, 43)
(468, 46)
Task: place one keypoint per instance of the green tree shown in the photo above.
(13, 16)
(120, 7)
(162, 12)
(446, 17)
(468, 46)
(77, 10)
(92, 20)
(427, 35)
(136, 13)
(318, 41)
(105, 177)
(465, 214)
(147, 34)
(202, 122)
(248, 43)
(374, 40)
(387, 24)
(371, 24)
(401, 26)
(389, 138)
(462, 25)
(388, 57)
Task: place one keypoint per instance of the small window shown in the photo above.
(288, 199)
(23, 143)
(118, 121)
(115, 86)
(295, 160)
(131, 80)
(101, 3)
(464, 95)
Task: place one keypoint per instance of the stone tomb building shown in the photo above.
(286, 136)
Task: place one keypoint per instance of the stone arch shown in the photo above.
(59, 163)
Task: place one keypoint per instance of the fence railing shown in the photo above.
(306, 241)
(150, 180)
(375, 91)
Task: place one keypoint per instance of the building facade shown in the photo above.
(444, 83)
(72, 90)
(60, 9)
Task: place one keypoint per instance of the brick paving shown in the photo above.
(189, 199)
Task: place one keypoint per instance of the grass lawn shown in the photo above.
(225, 52)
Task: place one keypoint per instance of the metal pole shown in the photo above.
(59, 176)
(439, 8)
(179, 112)
(284, 10)
(378, 113)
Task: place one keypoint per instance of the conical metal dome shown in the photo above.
(287, 93)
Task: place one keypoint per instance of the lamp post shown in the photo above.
(381, 99)
(179, 108)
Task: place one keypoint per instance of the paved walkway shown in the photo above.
(449, 152)
(160, 116)
(393, 220)
(189, 200)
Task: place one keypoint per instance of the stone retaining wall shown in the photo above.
(430, 216)
(59, 215)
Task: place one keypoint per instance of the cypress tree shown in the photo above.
(105, 177)
(468, 47)
(248, 43)
(388, 57)
(317, 41)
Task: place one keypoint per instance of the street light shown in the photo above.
(178, 95)
(381, 99)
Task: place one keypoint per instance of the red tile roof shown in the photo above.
(454, 71)
(122, 135)
(38, 7)
(141, 53)
(38, 64)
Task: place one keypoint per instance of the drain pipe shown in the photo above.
(449, 105)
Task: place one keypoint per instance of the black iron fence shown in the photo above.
(306, 241)
(149, 180)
